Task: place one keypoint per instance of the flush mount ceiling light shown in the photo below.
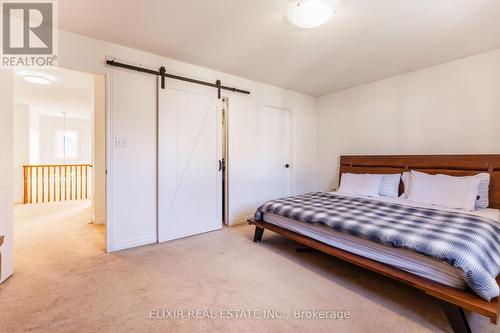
(308, 14)
(35, 77)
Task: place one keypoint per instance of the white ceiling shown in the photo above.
(70, 92)
(366, 40)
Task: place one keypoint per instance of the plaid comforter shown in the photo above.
(467, 242)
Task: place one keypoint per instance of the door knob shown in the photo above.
(287, 165)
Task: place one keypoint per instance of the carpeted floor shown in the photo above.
(65, 282)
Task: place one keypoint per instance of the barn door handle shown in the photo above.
(222, 165)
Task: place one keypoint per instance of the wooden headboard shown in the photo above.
(453, 165)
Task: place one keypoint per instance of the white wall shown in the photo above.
(34, 149)
(244, 151)
(132, 170)
(450, 108)
(21, 148)
(46, 144)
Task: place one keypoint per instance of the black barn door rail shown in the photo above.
(163, 73)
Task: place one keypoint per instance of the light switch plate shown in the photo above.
(120, 142)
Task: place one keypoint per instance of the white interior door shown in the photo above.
(6, 166)
(189, 150)
(277, 145)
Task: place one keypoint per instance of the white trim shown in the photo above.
(145, 240)
(109, 161)
(292, 152)
(157, 161)
(225, 131)
(100, 220)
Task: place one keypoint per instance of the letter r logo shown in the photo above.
(27, 28)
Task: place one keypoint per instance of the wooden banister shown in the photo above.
(56, 182)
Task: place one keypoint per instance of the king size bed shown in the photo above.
(451, 254)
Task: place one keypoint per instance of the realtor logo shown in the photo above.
(28, 33)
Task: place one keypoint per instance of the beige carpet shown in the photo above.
(65, 282)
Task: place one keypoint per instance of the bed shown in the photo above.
(436, 278)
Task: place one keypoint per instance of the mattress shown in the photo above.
(403, 259)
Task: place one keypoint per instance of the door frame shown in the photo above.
(107, 128)
(225, 131)
(108, 152)
(109, 160)
(7, 167)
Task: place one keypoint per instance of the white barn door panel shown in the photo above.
(189, 150)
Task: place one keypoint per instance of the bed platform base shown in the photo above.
(453, 301)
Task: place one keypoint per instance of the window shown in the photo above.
(66, 145)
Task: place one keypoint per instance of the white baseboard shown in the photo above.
(99, 220)
(240, 220)
(127, 244)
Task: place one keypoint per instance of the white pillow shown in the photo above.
(482, 200)
(389, 186)
(406, 178)
(443, 190)
(360, 184)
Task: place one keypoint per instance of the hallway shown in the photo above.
(41, 231)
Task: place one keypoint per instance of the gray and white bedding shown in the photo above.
(468, 244)
(403, 259)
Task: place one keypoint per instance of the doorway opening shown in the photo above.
(59, 162)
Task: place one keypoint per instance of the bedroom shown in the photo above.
(387, 78)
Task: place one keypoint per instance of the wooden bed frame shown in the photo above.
(453, 301)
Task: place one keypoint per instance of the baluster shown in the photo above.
(43, 184)
(36, 168)
(54, 183)
(70, 182)
(86, 182)
(76, 182)
(25, 177)
(74, 173)
(60, 183)
(75, 197)
(66, 180)
(81, 182)
(48, 184)
(31, 184)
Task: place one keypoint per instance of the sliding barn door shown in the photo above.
(189, 150)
